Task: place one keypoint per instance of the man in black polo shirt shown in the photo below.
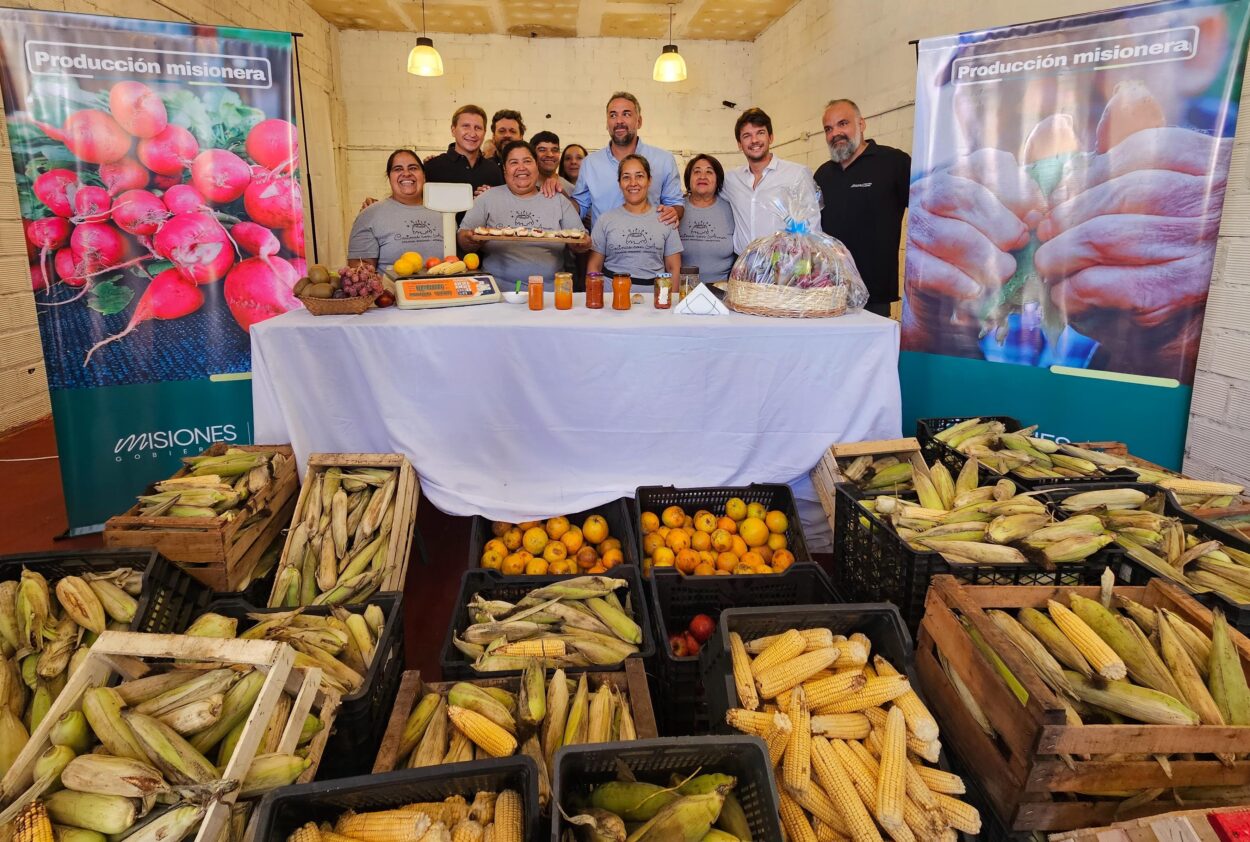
(864, 188)
(463, 162)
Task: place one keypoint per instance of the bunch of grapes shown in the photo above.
(359, 282)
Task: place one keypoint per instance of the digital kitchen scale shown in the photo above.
(423, 293)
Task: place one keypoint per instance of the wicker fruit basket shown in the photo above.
(772, 300)
(338, 306)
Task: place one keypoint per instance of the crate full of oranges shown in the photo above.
(738, 538)
(552, 547)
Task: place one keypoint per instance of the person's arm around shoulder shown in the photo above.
(809, 198)
(672, 202)
(581, 191)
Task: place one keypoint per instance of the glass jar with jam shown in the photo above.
(621, 285)
(564, 290)
(536, 292)
(594, 291)
(689, 280)
(663, 291)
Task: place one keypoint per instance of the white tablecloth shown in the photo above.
(518, 415)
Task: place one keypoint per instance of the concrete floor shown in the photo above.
(32, 516)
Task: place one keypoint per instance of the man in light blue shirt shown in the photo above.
(597, 188)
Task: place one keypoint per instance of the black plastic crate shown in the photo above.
(362, 716)
(578, 768)
(657, 498)
(881, 622)
(494, 585)
(170, 597)
(935, 450)
(872, 563)
(679, 695)
(284, 810)
(616, 513)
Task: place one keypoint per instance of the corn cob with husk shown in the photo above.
(337, 551)
(831, 736)
(214, 486)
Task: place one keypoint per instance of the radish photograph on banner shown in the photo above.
(1068, 180)
(157, 169)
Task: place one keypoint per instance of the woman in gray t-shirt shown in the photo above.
(707, 227)
(386, 230)
(631, 239)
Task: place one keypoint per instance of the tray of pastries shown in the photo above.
(513, 235)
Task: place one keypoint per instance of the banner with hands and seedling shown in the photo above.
(1068, 181)
(157, 169)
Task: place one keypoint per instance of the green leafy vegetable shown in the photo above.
(109, 297)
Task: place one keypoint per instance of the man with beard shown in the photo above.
(506, 126)
(754, 189)
(597, 189)
(864, 188)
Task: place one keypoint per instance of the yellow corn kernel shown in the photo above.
(929, 750)
(467, 830)
(743, 679)
(960, 815)
(796, 763)
(876, 691)
(509, 817)
(891, 776)
(835, 780)
(825, 691)
(798, 829)
(490, 737)
(753, 722)
(382, 826)
(815, 638)
(842, 726)
(787, 646)
(919, 720)
(817, 802)
(778, 737)
(308, 833)
(793, 672)
(32, 824)
(1101, 657)
(940, 781)
(538, 648)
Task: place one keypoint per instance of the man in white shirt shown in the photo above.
(752, 188)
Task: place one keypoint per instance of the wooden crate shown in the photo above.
(631, 682)
(827, 474)
(123, 654)
(407, 495)
(220, 553)
(1029, 785)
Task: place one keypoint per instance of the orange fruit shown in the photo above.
(765, 553)
(739, 546)
(754, 532)
(555, 551)
(610, 544)
(776, 522)
(651, 542)
(496, 545)
(572, 540)
(705, 522)
(664, 557)
(556, 527)
(728, 524)
(536, 567)
(753, 559)
(524, 555)
(743, 569)
(707, 557)
(528, 525)
(776, 541)
(432, 262)
(735, 508)
(650, 522)
(720, 572)
(756, 510)
(687, 561)
(535, 540)
(498, 528)
(492, 560)
(782, 559)
(512, 539)
(704, 569)
(764, 568)
(472, 261)
(587, 557)
(701, 541)
(595, 529)
(677, 540)
(722, 541)
(673, 517)
(450, 258)
(513, 565)
(726, 562)
(612, 558)
(598, 568)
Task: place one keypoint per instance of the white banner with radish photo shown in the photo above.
(157, 170)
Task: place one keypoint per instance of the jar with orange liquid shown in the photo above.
(564, 291)
(621, 285)
(594, 291)
(536, 292)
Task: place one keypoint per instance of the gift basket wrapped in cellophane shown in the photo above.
(798, 272)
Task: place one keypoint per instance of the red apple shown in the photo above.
(702, 627)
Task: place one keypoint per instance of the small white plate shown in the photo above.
(516, 297)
